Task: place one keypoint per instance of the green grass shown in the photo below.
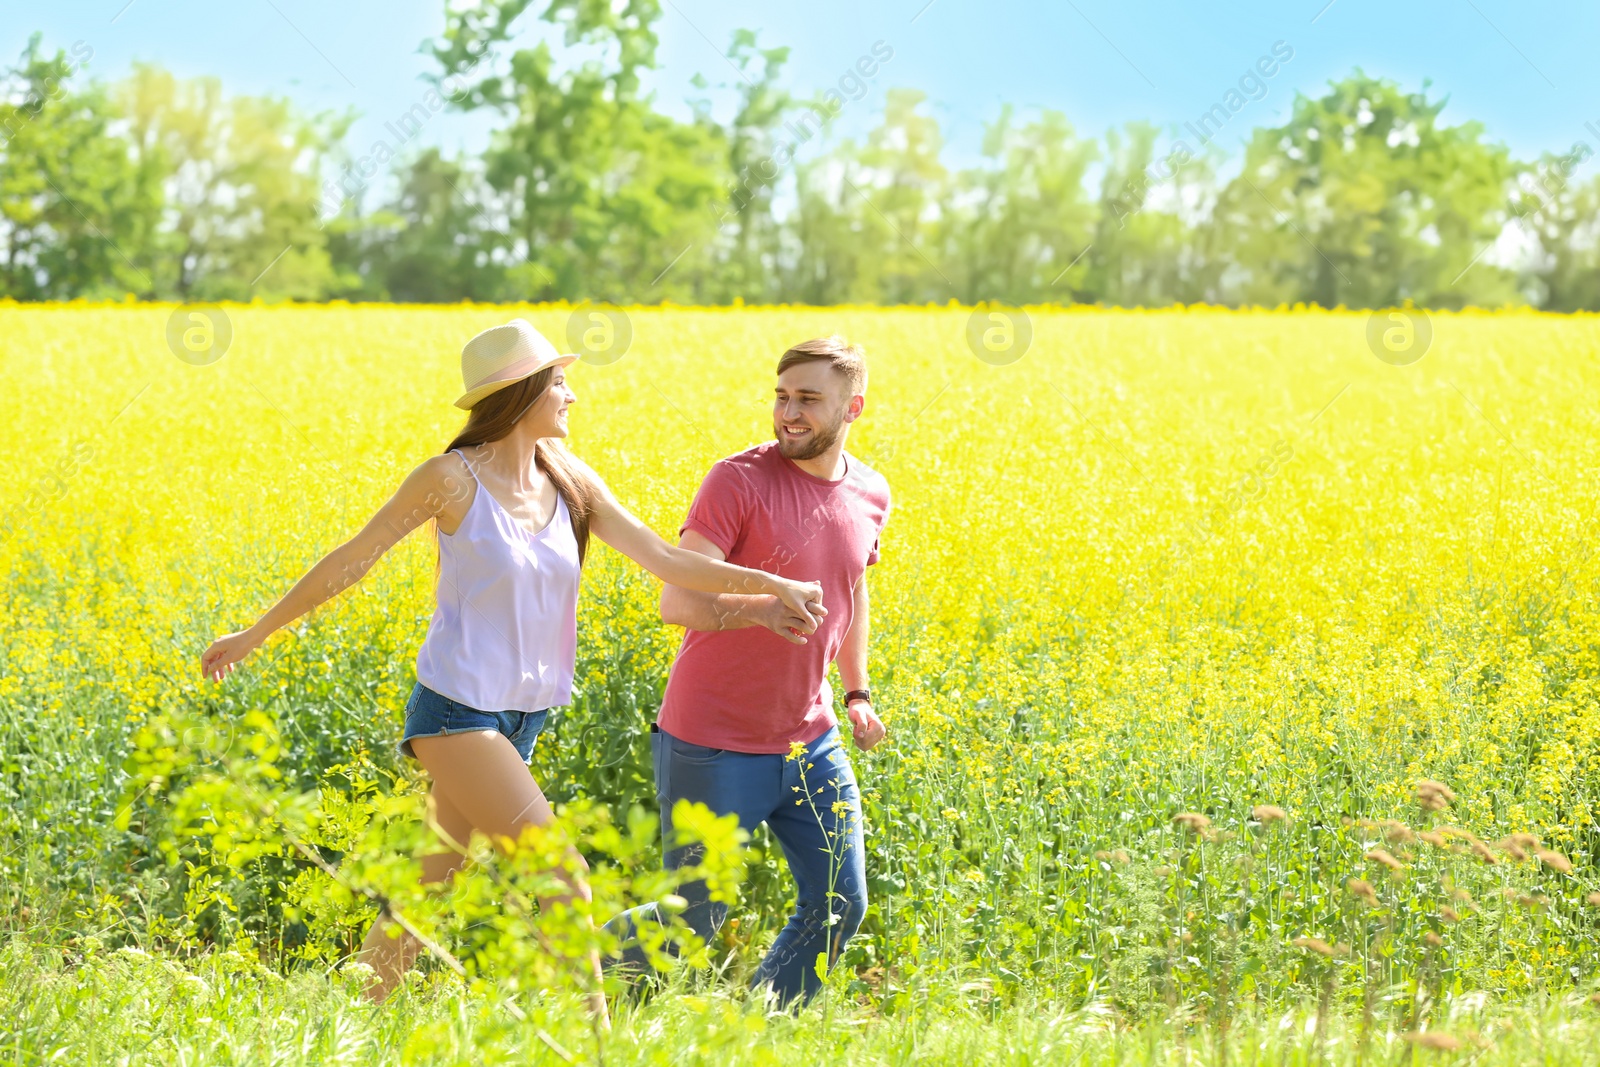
(95, 1005)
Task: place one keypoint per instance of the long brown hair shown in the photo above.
(496, 415)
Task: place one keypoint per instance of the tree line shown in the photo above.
(171, 189)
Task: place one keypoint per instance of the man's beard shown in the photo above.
(812, 445)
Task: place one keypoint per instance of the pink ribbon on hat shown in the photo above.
(506, 373)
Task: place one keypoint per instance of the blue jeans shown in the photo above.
(823, 847)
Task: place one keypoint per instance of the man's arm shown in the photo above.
(852, 663)
(852, 659)
(728, 611)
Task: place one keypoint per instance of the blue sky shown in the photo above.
(1524, 69)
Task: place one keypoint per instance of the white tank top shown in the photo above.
(504, 633)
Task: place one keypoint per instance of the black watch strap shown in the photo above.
(857, 694)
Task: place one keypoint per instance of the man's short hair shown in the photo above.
(838, 353)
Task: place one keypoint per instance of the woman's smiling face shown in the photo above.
(547, 416)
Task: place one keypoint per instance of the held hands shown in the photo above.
(217, 661)
(776, 616)
(869, 729)
(795, 610)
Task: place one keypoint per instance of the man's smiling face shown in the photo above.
(809, 408)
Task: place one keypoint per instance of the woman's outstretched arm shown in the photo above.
(728, 611)
(618, 527)
(424, 493)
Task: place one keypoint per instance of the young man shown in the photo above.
(746, 724)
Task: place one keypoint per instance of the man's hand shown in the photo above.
(869, 729)
(801, 598)
(776, 616)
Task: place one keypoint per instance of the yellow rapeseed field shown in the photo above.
(1190, 560)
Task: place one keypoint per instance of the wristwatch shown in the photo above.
(857, 694)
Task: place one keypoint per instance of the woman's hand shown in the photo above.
(803, 599)
(217, 661)
(788, 624)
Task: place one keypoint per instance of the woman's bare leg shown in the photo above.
(484, 779)
(392, 957)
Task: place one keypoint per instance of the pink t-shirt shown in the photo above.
(749, 690)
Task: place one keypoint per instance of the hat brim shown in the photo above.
(472, 396)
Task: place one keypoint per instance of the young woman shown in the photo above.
(513, 510)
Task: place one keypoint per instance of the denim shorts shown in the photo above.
(430, 714)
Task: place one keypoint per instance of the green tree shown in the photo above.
(867, 223)
(1363, 198)
(902, 188)
(429, 243)
(1563, 218)
(1015, 226)
(1152, 246)
(759, 152)
(600, 192)
(169, 188)
(76, 214)
(831, 259)
(240, 177)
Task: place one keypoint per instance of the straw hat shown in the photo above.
(501, 355)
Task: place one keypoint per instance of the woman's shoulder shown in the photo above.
(455, 461)
(445, 472)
